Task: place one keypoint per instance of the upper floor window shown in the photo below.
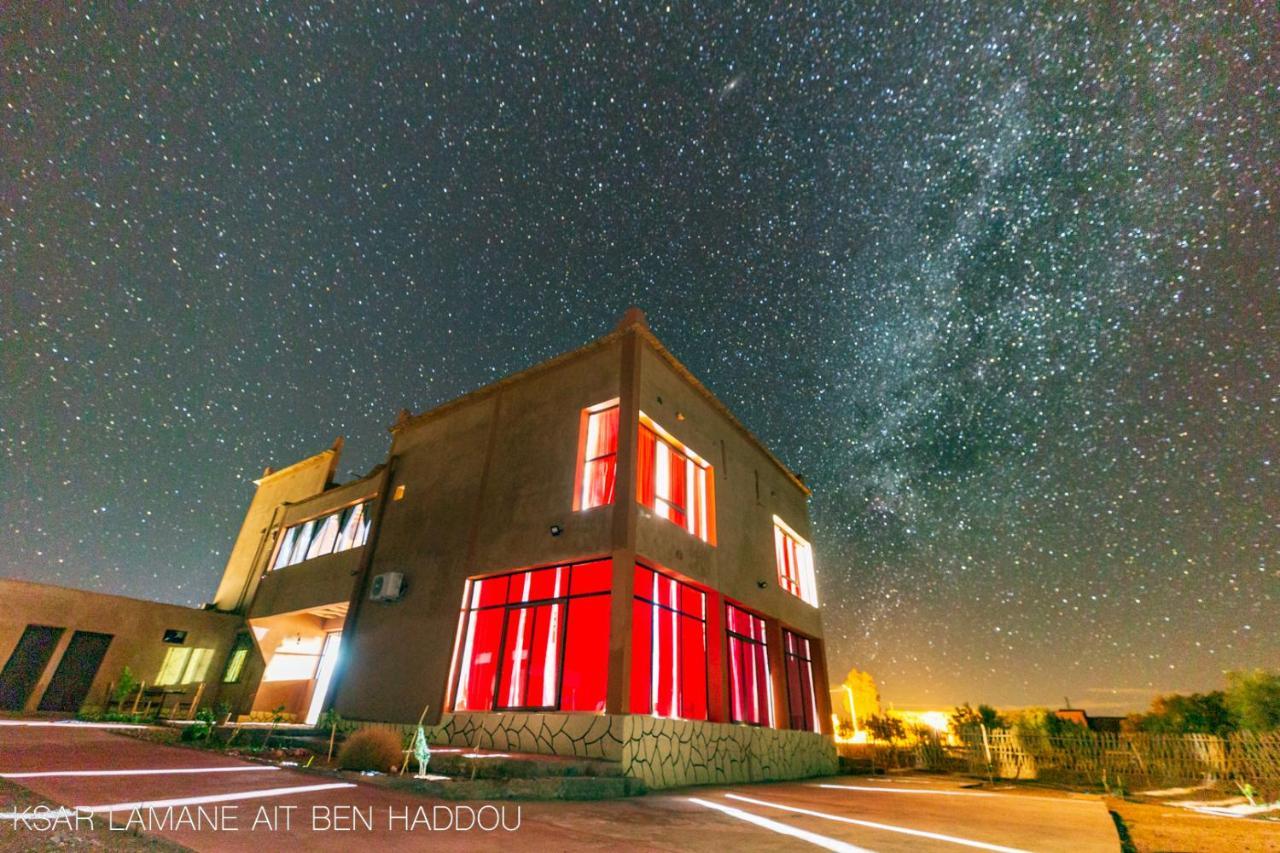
(675, 482)
(598, 456)
(328, 534)
(795, 563)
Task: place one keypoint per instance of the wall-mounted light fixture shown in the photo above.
(556, 530)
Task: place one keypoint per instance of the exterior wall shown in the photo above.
(673, 753)
(136, 626)
(484, 480)
(318, 582)
(298, 481)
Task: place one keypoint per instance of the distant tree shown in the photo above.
(1253, 700)
(886, 728)
(866, 696)
(966, 716)
(1199, 713)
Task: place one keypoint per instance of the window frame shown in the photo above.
(808, 702)
(678, 651)
(287, 543)
(803, 584)
(581, 483)
(700, 517)
(508, 608)
(731, 660)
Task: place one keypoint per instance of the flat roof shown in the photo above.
(632, 321)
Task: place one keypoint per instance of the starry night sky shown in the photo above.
(1000, 282)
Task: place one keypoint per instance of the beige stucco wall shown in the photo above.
(136, 627)
(744, 550)
(294, 483)
(485, 479)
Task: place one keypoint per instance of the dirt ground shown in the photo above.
(14, 839)
(1152, 828)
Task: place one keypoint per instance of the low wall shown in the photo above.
(661, 753)
(672, 753)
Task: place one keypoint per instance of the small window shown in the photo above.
(750, 688)
(174, 637)
(598, 455)
(795, 563)
(236, 660)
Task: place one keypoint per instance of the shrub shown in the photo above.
(371, 749)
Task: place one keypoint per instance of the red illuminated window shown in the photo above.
(750, 691)
(536, 639)
(674, 482)
(599, 457)
(795, 563)
(668, 647)
(802, 705)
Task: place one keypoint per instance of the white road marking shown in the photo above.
(782, 829)
(905, 790)
(941, 792)
(50, 774)
(213, 798)
(70, 724)
(887, 827)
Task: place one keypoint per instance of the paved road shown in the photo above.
(124, 782)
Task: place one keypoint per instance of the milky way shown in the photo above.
(999, 282)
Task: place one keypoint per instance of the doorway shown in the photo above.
(324, 675)
(26, 664)
(76, 671)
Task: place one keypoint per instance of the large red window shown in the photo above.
(599, 457)
(668, 647)
(750, 691)
(802, 705)
(795, 563)
(675, 482)
(536, 639)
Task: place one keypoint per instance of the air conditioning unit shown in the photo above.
(388, 586)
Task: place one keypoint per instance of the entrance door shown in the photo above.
(324, 674)
(75, 672)
(23, 669)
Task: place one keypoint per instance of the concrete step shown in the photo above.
(527, 788)
(487, 764)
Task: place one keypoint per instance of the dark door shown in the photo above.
(75, 672)
(23, 669)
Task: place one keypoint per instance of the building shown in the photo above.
(491, 576)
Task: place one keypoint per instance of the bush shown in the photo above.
(371, 749)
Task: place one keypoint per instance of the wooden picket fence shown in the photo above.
(1130, 761)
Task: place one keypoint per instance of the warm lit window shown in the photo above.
(675, 482)
(750, 691)
(802, 705)
(237, 659)
(184, 666)
(536, 639)
(598, 455)
(795, 563)
(338, 531)
(668, 647)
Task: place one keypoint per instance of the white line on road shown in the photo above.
(919, 833)
(69, 724)
(882, 790)
(905, 790)
(782, 829)
(50, 774)
(213, 798)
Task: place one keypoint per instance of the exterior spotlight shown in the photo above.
(556, 530)
(762, 584)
